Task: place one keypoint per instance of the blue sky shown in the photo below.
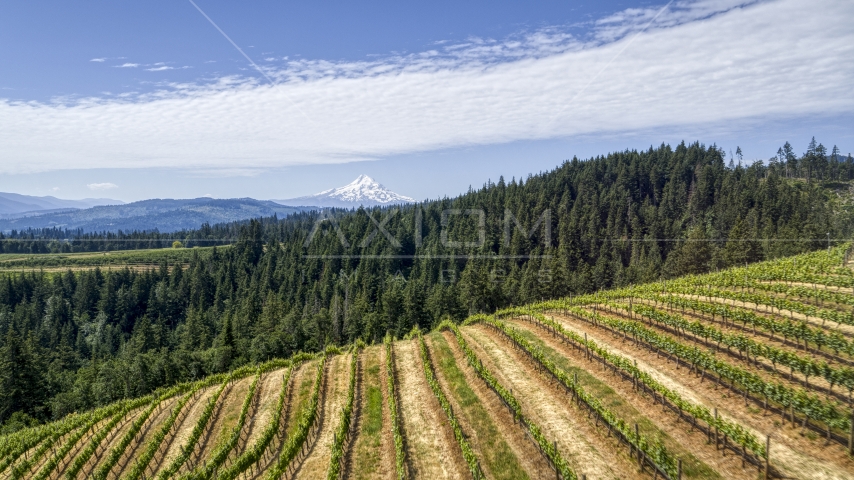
(48, 46)
(134, 100)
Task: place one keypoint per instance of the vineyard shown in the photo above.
(744, 373)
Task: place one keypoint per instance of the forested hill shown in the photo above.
(72, 340)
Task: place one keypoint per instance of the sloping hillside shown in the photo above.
(743, 373)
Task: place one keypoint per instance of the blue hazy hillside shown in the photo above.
(14, 204)
(165, 215)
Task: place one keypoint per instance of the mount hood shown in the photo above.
(364, 191)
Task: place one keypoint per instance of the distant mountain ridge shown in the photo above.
(19, 212)
(13, 204)
(363, 191)
(164, 215)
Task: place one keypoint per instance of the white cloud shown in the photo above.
(224, 172)
(55, 189)
(700, 64)
(160, 68)
(98, 60)
(102, 186)
(633, 20)
(127, 65)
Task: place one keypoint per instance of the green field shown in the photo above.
(87, 260)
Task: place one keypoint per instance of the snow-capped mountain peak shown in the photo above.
(364, 191)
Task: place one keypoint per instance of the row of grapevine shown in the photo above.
(218, 457)
(15, 444)
(394, 411)
(734, 431)
(729, 279)
(764, 299)
(138, 469)
(796, 275)
(201, 424)
(549, 449)
(656, 453)
(47, 437)
(306, 424)
(249, 425)
(806, 366)
(800, 400)
(60, 453)
(11, 441)
(44, 438)
(784, 327)
(818, 263)
(817, 267)
(111, 428)
(22, 466)
(119, 451)
(342, 432)
(273, 430)
(468, 452)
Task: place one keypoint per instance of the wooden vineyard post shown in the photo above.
(716, 428)
(635, 375)
(679, 469)
(586, 346)
(557, 470)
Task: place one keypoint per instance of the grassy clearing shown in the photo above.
(498, 459)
